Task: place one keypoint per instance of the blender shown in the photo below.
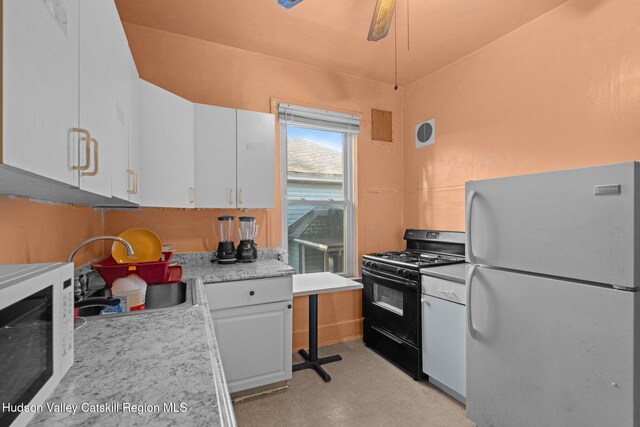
(226, 253)
(247, 248)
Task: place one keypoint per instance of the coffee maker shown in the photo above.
(247, 248)
(226, 253)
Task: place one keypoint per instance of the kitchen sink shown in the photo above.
(158, 297)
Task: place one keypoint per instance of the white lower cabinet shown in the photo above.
(252, 323)
(255, 344)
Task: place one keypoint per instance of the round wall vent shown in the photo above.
(425, 133)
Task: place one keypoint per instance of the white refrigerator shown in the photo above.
(553, 333)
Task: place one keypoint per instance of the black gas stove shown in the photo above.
(391, 295)
(415, 259)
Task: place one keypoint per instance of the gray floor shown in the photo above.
(366, 390)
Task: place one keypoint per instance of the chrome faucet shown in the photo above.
(80, 288)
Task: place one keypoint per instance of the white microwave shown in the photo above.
(36, 335)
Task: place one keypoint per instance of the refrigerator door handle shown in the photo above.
(470, 197)
(470, 327)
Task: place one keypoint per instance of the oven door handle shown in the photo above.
(405, 283)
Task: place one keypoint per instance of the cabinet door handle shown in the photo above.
(252, 293)
(232, 196)
(192, 195)
(134, 175)
(94, 172)
(130, 180)
(289, 306)
(87, 149)
(240, 196)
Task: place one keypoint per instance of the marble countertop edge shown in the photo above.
(225, 407)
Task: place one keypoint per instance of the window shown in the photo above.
(317, 188)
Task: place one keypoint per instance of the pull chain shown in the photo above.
(395, 48)
(408, 24)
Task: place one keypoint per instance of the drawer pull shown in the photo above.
(289, 306)
(446, 291)
(252, 293)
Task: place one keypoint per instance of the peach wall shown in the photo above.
(186, 230)
(560, 92)
(210, 73)
(35, 232)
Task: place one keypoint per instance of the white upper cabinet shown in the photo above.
(215, 137)
(255, 167)
(40, 87)
(69, 110)
(133, 171)
(235, 162)
(76, 114)
(102, 112)
(126, 90)
(166, 148)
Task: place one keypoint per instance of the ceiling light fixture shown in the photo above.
(381, 20)
(288, 3)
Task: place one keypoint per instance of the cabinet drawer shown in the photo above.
(400, 352)
(248, 292)
(445, 289)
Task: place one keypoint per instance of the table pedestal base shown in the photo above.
(311, 360)
(315, 364)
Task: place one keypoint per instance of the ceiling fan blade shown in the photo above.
(288, 3)
(381, 20)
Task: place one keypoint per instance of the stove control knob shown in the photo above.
(373, 265)
(405, 273)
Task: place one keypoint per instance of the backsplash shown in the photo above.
(38, 232)
(200, 257)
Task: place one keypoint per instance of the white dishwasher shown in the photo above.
(444, 328)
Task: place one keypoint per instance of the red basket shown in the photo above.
(150, 272)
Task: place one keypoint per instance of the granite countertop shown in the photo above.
(199, 264)
(156, 358)
(213, 273)
(453, 272)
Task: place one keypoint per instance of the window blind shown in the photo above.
(314, 118)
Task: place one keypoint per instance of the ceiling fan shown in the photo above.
(380, 23)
